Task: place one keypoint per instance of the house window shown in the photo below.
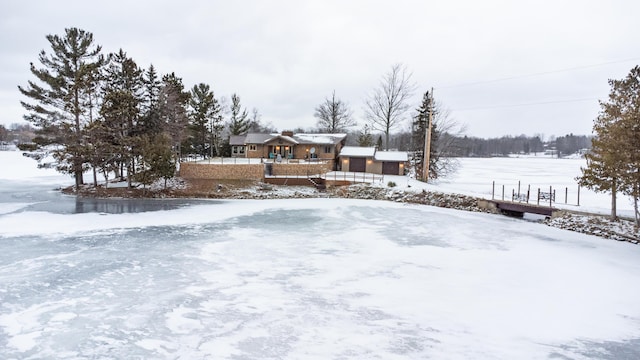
(327, 149)
(253, 147)
(237, 150)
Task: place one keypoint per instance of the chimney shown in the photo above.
(287, 133)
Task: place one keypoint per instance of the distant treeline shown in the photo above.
(470, 146)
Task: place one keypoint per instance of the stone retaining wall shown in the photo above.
(222, 171)
(302, 169)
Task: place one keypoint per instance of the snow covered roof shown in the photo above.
(287, 138)
(320, 139)
(391, 156)
(357, 151)
(237, 139)
(258, 138)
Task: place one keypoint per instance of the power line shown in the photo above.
(525, 104)
(535, 74)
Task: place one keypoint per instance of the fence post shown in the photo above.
(513, 194)
(538, 203)
(518, 188)
(566, 194)
(578, 195)
(502, 192)
(528, 192)
(550, 192)
(493, 189)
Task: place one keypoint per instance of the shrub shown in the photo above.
(391, 184)
(27, 147)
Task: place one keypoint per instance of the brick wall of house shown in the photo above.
(222, 171)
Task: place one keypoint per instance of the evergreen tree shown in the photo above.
(150, 123)
(239, 122)
(625, 99)
(60, 110)
(613, 165)
(121, 111)
(379, 143)
(157, 160)
(419, 137)
(203, 107)
(365, 138)
(605, 160)
(173, 101)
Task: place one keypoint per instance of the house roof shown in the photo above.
(321, 139)
(237, 139)
(391, 156)
(357, 151)
(258, 138)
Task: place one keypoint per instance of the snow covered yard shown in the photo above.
(303, 278)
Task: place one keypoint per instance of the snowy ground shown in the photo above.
(302, 278)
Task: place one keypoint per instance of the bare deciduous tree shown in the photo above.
(388, 104)
(334, 115)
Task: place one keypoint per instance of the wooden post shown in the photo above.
(538, 203)
(518, 188)
(502, 192)
(578, 195)
(513, 194)
(550, 189)
(528, 192)
(566, 194)
(493, 190)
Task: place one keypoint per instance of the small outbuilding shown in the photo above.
(371, 160)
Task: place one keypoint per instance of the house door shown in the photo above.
(357, 164)
(390, 168)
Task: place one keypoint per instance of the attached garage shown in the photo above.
(368, 159)
(390, 168)
(357, 164)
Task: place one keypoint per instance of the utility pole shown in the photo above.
(426, 155)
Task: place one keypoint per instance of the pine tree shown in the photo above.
(203, 107)
(150, 123)
(60, 110)
(605, 161)
(121, 109)
(613, 165)
(419, 138)
(365, 138)
(625, 98)
(239, 122)
(173, 101)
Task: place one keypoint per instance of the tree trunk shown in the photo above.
(635, 204)
(614, 189)
(95, 177)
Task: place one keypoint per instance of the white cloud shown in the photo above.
(284, 57)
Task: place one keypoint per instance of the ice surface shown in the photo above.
(307, 278)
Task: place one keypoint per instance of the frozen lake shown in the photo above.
(312, 279)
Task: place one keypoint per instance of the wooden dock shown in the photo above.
(518, 209)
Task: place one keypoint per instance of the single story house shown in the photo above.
(287, 145)
(371, 160)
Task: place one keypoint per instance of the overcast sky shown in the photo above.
(285, 57)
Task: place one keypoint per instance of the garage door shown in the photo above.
(357, 164)
(390, 168)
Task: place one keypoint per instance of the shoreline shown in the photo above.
(592, 224)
